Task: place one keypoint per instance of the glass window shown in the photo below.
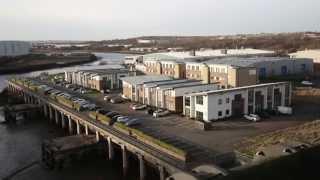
(219, 101)
(227, 112)
(199, 115)
(199, 100)
(187, 101)
(227, 100)
(220, 113)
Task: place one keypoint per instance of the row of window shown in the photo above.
(217, 70)
(193, 75)
(192, 67)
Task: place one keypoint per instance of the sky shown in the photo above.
(112, 19)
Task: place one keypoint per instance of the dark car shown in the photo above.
(111, 114)
(264, 114)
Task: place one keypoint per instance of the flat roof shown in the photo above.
(249, 61)
(236, 89)
(134, 80)
(178, 86)
(169, 82)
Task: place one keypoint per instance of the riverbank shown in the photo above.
(36, 62)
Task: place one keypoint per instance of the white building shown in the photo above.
(14, 48)
(220, 104)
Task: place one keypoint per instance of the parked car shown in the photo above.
(160, 113)
(111, 114)
(149, 110)
(107, 98)
(307, 83)
(139, 107)
(102, 111)
(285, 110)
(123, 119)
(133, 122)
(264, 114)
(252, 117)
(116, 100)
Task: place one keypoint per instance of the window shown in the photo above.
(199, 115)
(199, 100)
(227, 100)
(220, 113)
(227, 112)
(303, 67)
(219, 101)
(192, 68)
(187, 101)
(197, 68)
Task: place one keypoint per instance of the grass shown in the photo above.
(307, 133)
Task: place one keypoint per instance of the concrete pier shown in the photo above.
(70, 125)
(86, 129)
(56, 115)
(63, 121)
(142, 167)
(50, 114)
(78, 127)
(161, 172)
(125, 163)
(110, 148)
(97, 136)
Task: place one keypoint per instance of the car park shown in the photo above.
(252, 117)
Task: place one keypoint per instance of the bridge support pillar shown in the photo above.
(161, 172)
(56, 115)
(110, 149)
(78, 127)
(86, 129)
(124, 160)
(70, 125)
(142, 167)
(63, 121)
(97, 136)
(50, 113)
(45, 110)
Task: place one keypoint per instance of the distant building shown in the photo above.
(170, 68)
(312, 54)
(14, 48)
(98, 79)
(235, 102)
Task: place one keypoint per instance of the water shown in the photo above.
(108, 60)
(20, 145)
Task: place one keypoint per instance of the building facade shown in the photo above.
(169, 68)
(227, 76)
(14, 48)
(101, 80)
(162, 93)
(220, 104)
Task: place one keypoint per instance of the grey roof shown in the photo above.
(134, 80)
(185, 85)
(106, 71)
(246, 62)
(170, 82)
(236, 89)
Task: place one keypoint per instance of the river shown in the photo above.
(20, 144)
